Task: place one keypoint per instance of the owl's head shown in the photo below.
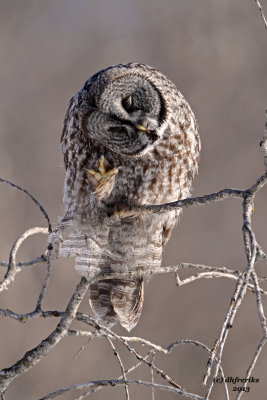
(122, 109)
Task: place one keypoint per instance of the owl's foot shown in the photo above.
(102, 180)
(124, 214)
(128, 212)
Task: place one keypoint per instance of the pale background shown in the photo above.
(215, 52)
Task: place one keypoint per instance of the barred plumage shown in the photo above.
(129, 138)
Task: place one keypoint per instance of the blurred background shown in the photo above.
(215, 52)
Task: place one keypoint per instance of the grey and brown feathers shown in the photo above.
(129, 138)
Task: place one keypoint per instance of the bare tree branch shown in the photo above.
(119, 382)
(116, 354)
(261, 12)
(33, 199)
(32, 357)
(12, 270)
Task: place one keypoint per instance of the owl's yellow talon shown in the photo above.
(101, 179)
(101, 167)
(120, 214)
(124, 214)
(102, 175)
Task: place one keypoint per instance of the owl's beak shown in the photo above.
(141, 127)
(147, 124)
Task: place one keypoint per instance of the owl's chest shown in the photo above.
(147, 180)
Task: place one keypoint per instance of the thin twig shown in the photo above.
(264, 338)
(263, 144)
(131, 369)
(251, 247)
(88, 320)
(116, 354)
(31, 315)
(33, 199)
(203, 346)
(45, 284)
(35, 261)
(32, 357)
(119, 382)
(259, 304)
(152, 375)
(253, 362)
(12, 270)
(262, 13)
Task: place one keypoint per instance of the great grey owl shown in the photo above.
(129, 138)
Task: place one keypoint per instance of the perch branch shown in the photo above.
(207, 199)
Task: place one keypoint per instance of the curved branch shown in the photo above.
(119, 382)
(32, 198)
(12, 270)
(38, 260)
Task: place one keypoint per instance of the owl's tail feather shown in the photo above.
(117, 299)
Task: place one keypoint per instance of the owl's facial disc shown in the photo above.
(131, 109)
